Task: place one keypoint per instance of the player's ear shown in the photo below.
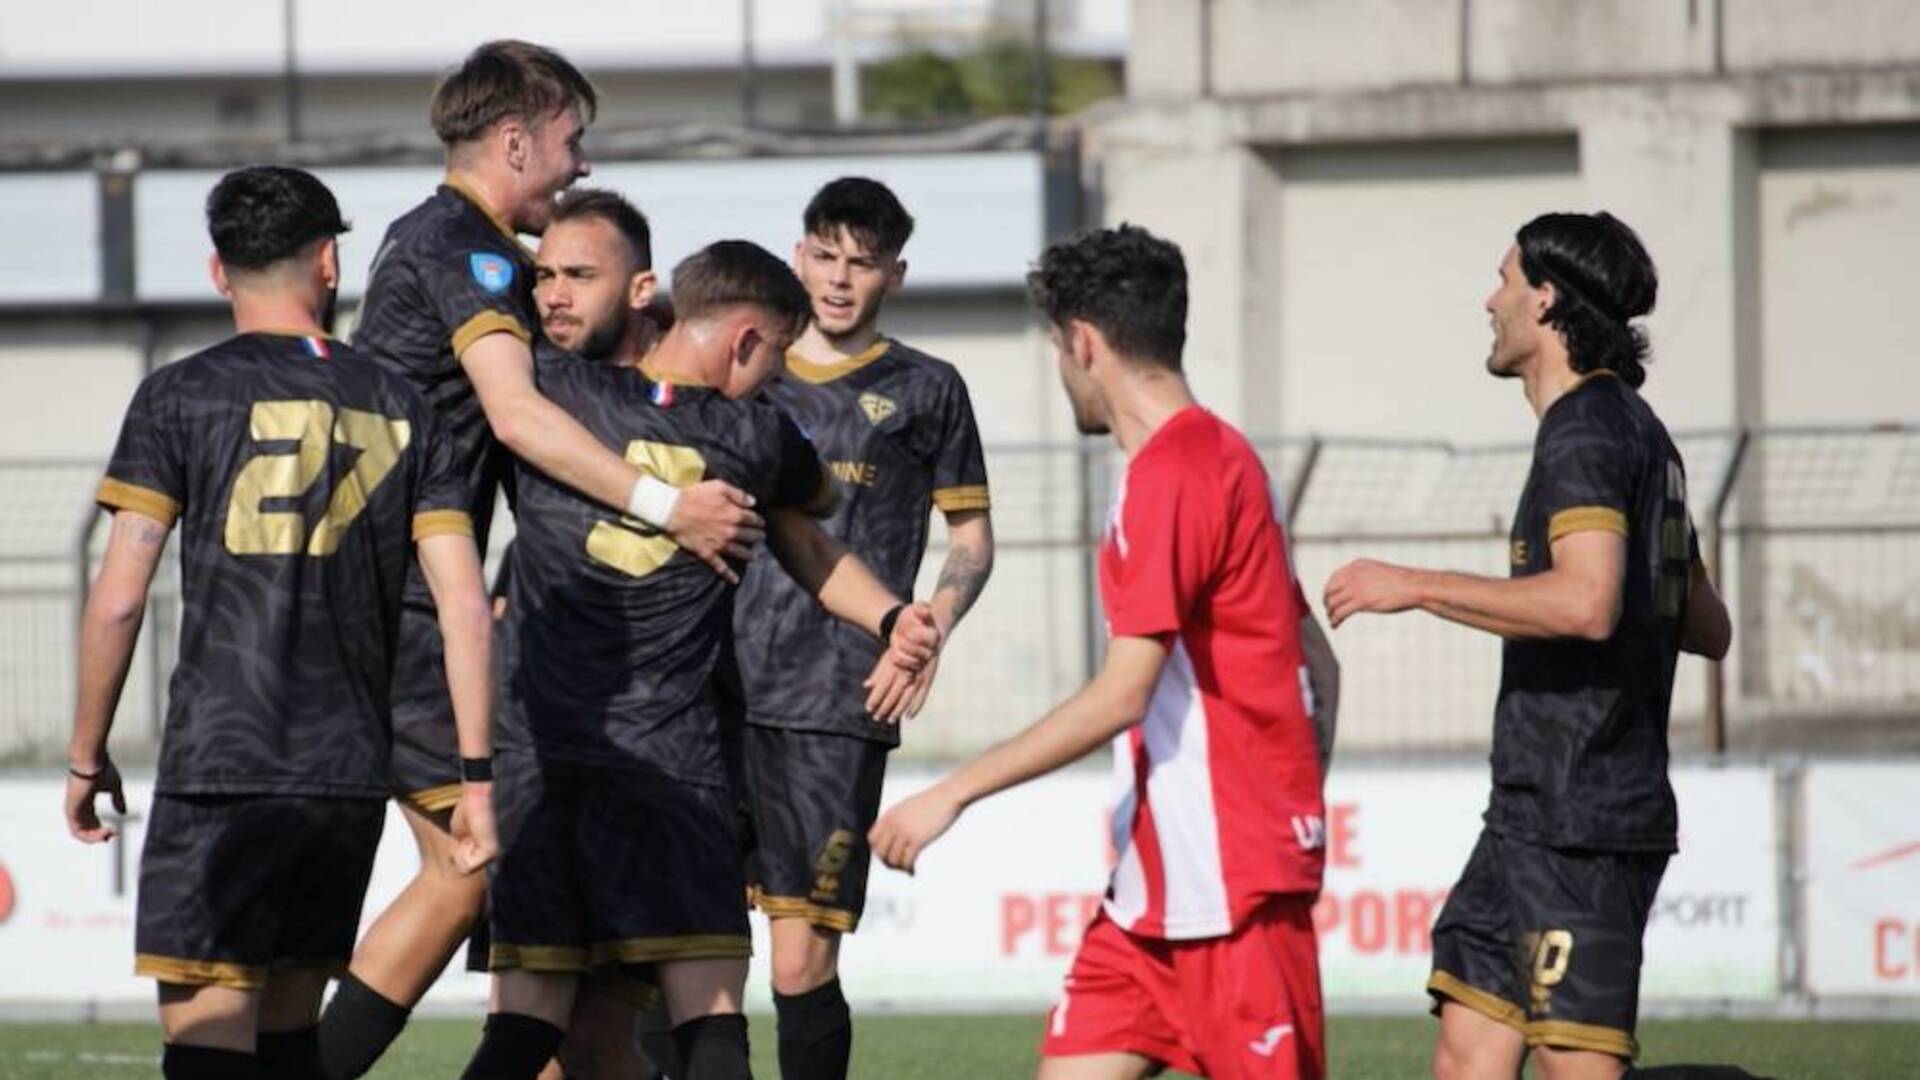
(330, 262)
(1543, 300)
(799, 253)
(218, 272)
(641, 288)
(897, 277)
(513, 140)
(746, 338)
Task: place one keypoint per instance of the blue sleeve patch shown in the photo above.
(493, 272)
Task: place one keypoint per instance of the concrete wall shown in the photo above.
(1252, 47)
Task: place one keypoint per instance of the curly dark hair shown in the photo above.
(866, 208)
(262, 214)
(1602, 279)
(727, 273)
(1128, 283)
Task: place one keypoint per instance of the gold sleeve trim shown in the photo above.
(558, 959)
(120, 495)
(795, 907)
(434, 799)
(1571, 1035)
(1451, 987)
(952, 500)
(184, 972)
(488, 322)
(679, 947)
(1586, 519)
(440, 523)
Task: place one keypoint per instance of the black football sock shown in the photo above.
(290, 1055)
(515, 1047)
(181, 1062)
(816, 1033)
(357, 1028)
(713, 1048)
(1690, 1073)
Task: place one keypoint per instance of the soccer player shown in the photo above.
(1203, 957)
(449, 307)
(302, 476)
(613, 765)
(1539, 945)
(594, 287)
(897, 430)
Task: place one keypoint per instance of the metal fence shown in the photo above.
(1813, 533)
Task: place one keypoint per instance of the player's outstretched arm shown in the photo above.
(713, 519)
(1579, 597)
(969, 564)
(1116, 699)
(109, 627)
(451, 565)
(848, 590)
(1708, 631)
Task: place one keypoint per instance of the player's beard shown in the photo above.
(329, 309)
(604, 339)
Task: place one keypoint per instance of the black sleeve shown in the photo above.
(147, 473)
(800, 480)
(1585, 475)
(473, 293)
(440, 501)
(959, 466)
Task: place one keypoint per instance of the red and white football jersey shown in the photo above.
(1219, 804)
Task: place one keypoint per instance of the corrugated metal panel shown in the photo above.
(55, 219)
(980, 215)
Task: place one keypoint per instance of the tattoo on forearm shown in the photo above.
(965, 573)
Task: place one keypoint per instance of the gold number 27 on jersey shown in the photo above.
(314, 426)
(624, 546)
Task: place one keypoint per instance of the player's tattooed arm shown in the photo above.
(109, 626)
(969, 564)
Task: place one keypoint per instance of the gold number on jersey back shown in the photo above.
(629, 546)
(313, 426)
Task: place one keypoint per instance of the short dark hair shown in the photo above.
(866, 208)
(733, 272)
(263, 214)
(507, 78)
(614, 209)
(1602, 279)
(1127, 282)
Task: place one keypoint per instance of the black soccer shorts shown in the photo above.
(1548, 941)
(603, 866)
(233, 886)
(425, 764)
(813, 796)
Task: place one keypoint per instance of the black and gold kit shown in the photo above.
(1582, 818)
(447, 274)
(896, 429)
(300, 474)
(614, 639)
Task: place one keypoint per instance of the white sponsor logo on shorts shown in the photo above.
(1268, 1043)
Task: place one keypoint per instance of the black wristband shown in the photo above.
(92, 776)
(476, 770)
(887, 622)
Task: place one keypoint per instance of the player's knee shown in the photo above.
(797, 971)
(1451, 1061)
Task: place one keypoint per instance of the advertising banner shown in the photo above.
(1862, 879)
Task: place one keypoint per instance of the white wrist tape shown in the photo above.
(652, 500)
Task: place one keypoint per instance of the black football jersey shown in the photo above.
(1580, 729)
(300, 474)
(896, 429)
(614, 635)
(447, 274)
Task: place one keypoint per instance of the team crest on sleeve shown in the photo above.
(493, 272)
(876, 407)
